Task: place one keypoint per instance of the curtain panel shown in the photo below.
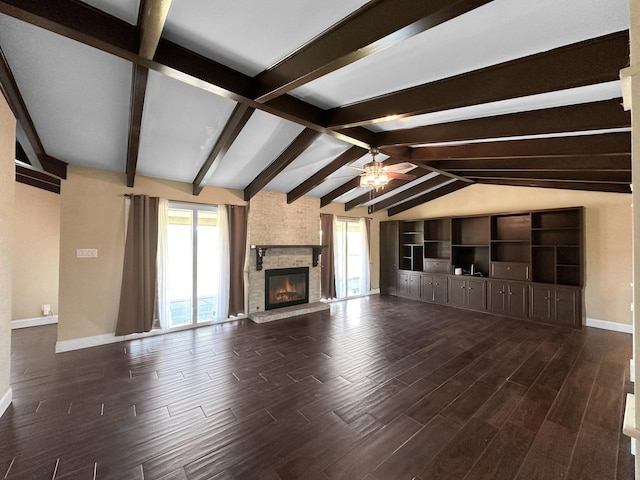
(237, 217)
(138, 291)
(327, 267)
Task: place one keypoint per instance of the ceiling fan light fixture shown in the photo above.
(374, 175)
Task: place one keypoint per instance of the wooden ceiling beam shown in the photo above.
(107, 33)
(390, 187)
(557, 175)
(589, 62)
(293, 151)
(37, 179)
(151, 19)
(236, 122)
(583, 162)
(373, 28)
(427, 197)
(594, 187)
(341, 190)
(603, 144)
(344, 159)
(408, 193)
(16, 102)
(573, 118)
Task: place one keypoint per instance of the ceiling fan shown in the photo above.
(376, 175)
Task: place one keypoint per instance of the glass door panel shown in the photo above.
(207, 258)
(180, 266)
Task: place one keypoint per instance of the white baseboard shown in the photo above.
(605, 325)
(34, 322)
(5, 401)
(86, 342)
(374, 291)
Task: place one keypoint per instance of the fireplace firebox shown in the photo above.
(285, 287)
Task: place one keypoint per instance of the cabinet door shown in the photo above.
(566, 306)
(541, 303)
(439, 289)
(414, 285)
(517, 300)
(388, 258)
(497, 297)
(427, 291)
(477, 294)
(403, 284)
(457, 291)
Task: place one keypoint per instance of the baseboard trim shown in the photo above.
(5, 401)
(373, 291)
(605, 325)
(87, 342)
(33, 322)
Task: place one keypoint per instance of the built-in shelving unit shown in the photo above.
(520, 264)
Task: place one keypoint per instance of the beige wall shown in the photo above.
(608, 226)
(36, 250)
(92, 216)
(7, 182)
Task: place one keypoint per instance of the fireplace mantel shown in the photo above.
(262, 249)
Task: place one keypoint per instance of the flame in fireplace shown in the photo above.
(286, 292)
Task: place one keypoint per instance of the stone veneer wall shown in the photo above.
(274, 222)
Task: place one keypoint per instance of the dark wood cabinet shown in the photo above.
(505, 298)
(556, 304)
(518, 264)
(389, 258)
(468, 292)
(434, 288)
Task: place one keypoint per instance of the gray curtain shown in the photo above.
(138, 292)
(237, 215)
(327, 268)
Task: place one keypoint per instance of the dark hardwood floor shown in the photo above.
(380, 388)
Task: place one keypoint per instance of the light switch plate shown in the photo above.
(87, 252)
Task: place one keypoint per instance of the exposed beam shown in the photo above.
(97, 29)
(293, 151)
(602, 162)
(37, 179)
(14, 98)
(138, 93)
(607, 143)
(574, 118)
(390, 187)
(408, 193)
(238, 119)
(585, 63)
(557, 175)
(594, 187)
(341, 190)
(427, 197)
(151, 20)
(375, 27)
(345, 158)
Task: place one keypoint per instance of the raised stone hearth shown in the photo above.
(287, 312)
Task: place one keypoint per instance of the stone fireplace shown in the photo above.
(285, 287)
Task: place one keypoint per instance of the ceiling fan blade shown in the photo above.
(403, 167)
(401, 176)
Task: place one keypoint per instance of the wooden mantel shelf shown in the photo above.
(262, 249)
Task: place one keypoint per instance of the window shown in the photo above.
(192, 264)
(351, 257)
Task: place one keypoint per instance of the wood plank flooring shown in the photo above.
(378, 388)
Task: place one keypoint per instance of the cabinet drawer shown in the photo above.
(510, 271)
(436, 266)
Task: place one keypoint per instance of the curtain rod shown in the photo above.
(129, 195)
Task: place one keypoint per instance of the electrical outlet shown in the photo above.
(87, 252)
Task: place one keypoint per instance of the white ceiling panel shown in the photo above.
(261, 141)
(251, 35)
(573, 96)
(499, 31)
(126, 10)
(319, 154)
(77, 96)
(180, 125)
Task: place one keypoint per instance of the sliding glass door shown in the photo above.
(192, 264)
(348, 257)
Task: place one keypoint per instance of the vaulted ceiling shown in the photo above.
(289, 96)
